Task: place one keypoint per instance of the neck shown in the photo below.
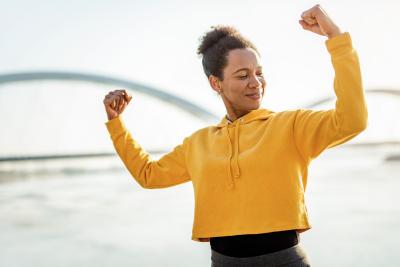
(232, 116)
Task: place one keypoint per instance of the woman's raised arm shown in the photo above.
(169, 170)
(316, 130)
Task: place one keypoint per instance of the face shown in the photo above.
(243, 85)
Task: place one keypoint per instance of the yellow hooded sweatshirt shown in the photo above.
(250, 175)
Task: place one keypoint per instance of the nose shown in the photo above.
(255, 81)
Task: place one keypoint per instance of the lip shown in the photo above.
(254, 96)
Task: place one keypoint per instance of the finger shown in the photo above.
(305, 25)
(126, 95)
(306, 14)
(310, 15)
(309, 20)
(118, 103)
(108, 100)
(121, 94)
(117, 91)
(105, 101)
(113, 103)
(120, 97)
(122, 104)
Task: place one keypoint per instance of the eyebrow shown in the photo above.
(260, 67)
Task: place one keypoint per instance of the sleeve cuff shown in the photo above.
(339, 45)
(115, 126)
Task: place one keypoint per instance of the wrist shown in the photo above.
(111, 117)
(334, 33)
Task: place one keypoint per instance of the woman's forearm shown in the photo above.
(350, 108)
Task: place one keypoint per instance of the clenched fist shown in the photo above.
(115, 103)
(317, 20)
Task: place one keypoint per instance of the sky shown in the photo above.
(155, 42)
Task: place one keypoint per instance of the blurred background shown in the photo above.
(67, 200)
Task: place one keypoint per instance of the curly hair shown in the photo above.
(215, 46)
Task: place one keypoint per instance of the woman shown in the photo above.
(249, 172)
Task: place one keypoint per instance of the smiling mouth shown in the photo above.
(255, 96)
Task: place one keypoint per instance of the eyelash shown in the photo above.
(242, 77)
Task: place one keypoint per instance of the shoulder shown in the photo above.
(202, 132)
(289, 114)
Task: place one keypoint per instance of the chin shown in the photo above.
(256, 105)
(250, 104)
(253, 107)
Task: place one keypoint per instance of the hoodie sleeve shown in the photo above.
(317, 130)
(169, 170)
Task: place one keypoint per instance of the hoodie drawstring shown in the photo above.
(235, 154)
(236, 140)
(257, 114)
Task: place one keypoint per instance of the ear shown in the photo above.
(215, 83)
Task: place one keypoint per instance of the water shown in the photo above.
(105, 218)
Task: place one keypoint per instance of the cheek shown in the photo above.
(263, 82)
(239, 86)
(235, 88)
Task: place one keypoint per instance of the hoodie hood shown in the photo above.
(233, 153)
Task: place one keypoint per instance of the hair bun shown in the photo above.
(212, 37)
(215, 46)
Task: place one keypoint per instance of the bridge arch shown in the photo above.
(177, 101)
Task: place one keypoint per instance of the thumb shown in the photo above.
(304, 24)
(110, 110)
(111, 113)
(311, 27)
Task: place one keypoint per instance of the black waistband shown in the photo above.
(254, 244)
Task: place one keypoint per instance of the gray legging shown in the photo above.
(290, 257)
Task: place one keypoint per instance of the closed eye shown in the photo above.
(245, 76)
